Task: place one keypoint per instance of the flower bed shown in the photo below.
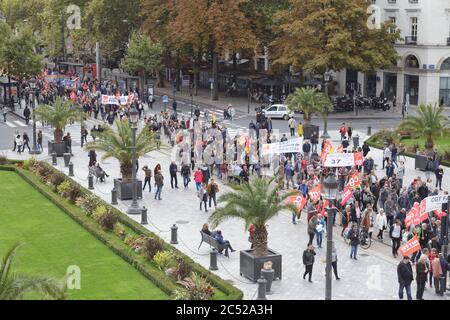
(172, 271)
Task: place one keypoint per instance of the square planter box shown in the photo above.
(250, 266)
(125, 189)
(59, 148)
(309, 130)
(421, 162)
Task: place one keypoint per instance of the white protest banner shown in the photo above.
(340, 160)
(433, 203)
(290, 146)
(123, 100)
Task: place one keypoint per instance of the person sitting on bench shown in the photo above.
(218, 236)
(205, 229)
(100, 173)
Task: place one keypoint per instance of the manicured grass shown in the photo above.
(53, 242)
(442, 144)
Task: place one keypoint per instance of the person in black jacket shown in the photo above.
(365, 149)
(308, 261)
(439, 175)
(186, 173)
(173, 174)
(405, 277)
(353, 236)
(26, 114)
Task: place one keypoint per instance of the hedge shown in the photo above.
(151, 272)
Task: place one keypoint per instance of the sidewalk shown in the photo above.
(372, 277)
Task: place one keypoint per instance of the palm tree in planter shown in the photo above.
(430, 123)
(58, 115)
(309, 101)
(118, 143)
(13, 286)
(256, 203)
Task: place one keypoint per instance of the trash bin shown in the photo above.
(356, 141)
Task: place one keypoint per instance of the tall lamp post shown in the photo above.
(329, 192)
(325, 134)
(134, 118)
(444, 228)
(35, 149)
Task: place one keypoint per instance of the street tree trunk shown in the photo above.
(126, 171)
(260, 241)
(160, 79)
(197, 72)
(58, 135)
(215, 71)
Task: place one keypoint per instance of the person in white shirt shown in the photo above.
(396, 236)
(19, 143)
(380, 223)
(386, 155)
(292, 126)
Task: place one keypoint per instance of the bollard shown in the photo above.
(91, 182)
(369, 130)
(70, 169)
(144, 216)
(213, 260)
(66, 157)
(54, 161)
(114, 196)
(356, 141)
(268, 274)
(262, 289)
(174, 236)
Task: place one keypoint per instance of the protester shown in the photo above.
(405, 277)
(308, 261)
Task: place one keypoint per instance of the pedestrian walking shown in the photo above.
(26, 141)
(159, 181)
(319, 230)
(312, 229)
(173, 169)
(39, 140)
(395, 233)
(334, 261)
(212, 189)
(203, 196)
(186, 174)
(436, 270)
(26, 114)
(380, 223)
(4, 112)
(353, 236)
(405, 277)
(198, 178)
(439, 175)
(308, 261)
(19, 143)
(292, 124)
(421, 276)
(92, 157)
(148, 178)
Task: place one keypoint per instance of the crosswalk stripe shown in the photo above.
(11, 125)
(19, 123)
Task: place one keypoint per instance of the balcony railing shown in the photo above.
(411, 40)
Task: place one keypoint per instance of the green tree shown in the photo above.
(143, 56)
(430, 122)
(321, 35)
(308, 101)
(58, 116)
(118, 144)
(13, 286)
(256, 203)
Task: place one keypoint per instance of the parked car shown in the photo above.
(280, 111)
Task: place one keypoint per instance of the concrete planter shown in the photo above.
(309, 130)
(58, 147)
(421, 162)
(125, 189)
(250, 266)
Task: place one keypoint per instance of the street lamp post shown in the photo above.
(444, 229)
(325, 134)
(134, 118)
(329, 192)
(192, 104)
(35, 149)
(248, 99)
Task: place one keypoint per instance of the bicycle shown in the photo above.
(364, 238)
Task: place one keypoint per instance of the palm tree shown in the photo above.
(118, 144)
(255, 203)
(58, 116)
(308, 101)
(430, 123)
(14, 286)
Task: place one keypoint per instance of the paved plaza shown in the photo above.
(372, 276)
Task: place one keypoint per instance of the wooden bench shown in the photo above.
(212, 242)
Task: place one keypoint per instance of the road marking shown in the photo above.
(21, 124)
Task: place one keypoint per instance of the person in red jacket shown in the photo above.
(198, 178)
(343, 131)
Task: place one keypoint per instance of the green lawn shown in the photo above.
(442, 144)
(53, 241)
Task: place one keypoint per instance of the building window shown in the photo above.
(393, 20)
(446, 64)
(411, 62)
(392, 1)
(444, 92)
(413, 29)
(413, 1)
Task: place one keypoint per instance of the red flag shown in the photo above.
(298, 200)
(327, 149)
(314, 193)
(358, 156)
(440, 213)
(84, 86)
(73, 96)
(413, 216)
(354, 181)
(410, 247)
(346, 195)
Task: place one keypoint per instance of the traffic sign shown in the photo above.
(165, 99)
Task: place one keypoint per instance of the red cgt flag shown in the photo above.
(314, 193)
(413, 216)
(354, 181)
(298, 200)
(410, 247)
(346, 195)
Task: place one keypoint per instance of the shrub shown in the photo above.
(181, 271)
(164, 259)
(29, 163)
(3, 160)
(56, 179)
(44, 172)
(99, 212)
(119, 230)
(74, 193)
(108, 221)
(89, 203)
(195, 288)
(151, 247)
(63, 189)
